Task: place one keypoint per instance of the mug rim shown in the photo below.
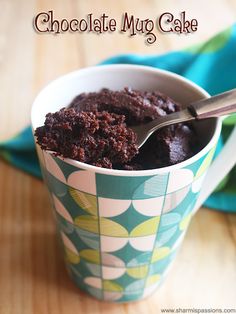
(130, 173)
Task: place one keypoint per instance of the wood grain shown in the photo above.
(32, 274)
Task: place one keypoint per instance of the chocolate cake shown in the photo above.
(94, 129)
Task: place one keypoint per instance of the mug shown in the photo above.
(121, 230)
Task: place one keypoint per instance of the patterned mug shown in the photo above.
(120, 230)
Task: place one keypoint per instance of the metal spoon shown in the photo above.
(216, 106)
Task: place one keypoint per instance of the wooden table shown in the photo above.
(32, 274)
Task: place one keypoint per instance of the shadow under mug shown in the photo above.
(120, 230)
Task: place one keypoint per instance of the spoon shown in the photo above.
(216, 106)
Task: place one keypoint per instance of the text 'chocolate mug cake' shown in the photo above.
(94, 129)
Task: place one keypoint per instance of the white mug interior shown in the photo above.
(60, 93)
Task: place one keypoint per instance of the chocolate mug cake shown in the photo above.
(95, 129)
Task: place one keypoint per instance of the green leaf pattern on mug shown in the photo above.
(121, 234)
(86, 201)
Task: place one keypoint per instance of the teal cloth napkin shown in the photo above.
(211, 65)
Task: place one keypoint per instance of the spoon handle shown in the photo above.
(216, 106)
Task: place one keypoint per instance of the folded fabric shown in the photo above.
(210, 65)
(20, 152)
